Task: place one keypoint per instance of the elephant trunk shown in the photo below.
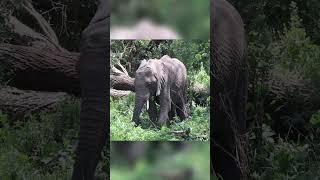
(93, 62)
(140, 100)
(93, 117)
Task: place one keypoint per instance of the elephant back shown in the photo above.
(228, 43)
(177, 73)
(174, 64)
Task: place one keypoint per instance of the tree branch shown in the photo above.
(45, 26)
(24, 30)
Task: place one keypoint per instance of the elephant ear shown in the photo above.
(143, 63)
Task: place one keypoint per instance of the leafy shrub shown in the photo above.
(277, 158)
(42, 146)
(284, 100)
(315, 119)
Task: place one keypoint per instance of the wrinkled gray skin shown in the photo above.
(163, 80)
(94, 54)
(230, 83)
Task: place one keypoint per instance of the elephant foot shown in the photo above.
(160, 124)
(136, 123)
(182, 114)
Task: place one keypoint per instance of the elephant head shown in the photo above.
(147, 84)
(94, 54)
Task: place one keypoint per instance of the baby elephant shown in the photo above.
(162, 80)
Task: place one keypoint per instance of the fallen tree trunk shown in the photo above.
(18, 103)
(41, 69)
(122, 82)
(55, 71)
(119, 93)
(46, 70)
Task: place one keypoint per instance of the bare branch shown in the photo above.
(24, 30)
(122, 68)
(44, 25)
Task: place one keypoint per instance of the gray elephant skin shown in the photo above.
(229, 88)
(94, 54)
(162, 80)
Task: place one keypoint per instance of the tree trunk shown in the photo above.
(122, 82)
(37, 69)
(19, 103)
(41, 69)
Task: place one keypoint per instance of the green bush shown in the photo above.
(42, 146)
(277, 158)
(284, 98)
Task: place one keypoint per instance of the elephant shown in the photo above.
(162, 80)
(229, 87)
(92, 67)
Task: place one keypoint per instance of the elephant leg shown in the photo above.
(157, 99)
(93, 115)
(165, 106)
(181, 109)
(172, 112)
(92, 66)
(152, 111)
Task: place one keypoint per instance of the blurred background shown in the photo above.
(160, 160)
(165, 19)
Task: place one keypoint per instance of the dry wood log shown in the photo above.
(182, 133)
(122, 82)
(19, 103)
(46, 70)
(119, 93)
(41, 69)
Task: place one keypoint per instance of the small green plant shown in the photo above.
(315, 119)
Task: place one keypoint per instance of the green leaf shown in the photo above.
(315, 119)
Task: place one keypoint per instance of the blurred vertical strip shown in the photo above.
(93, 68)
(229, 80)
